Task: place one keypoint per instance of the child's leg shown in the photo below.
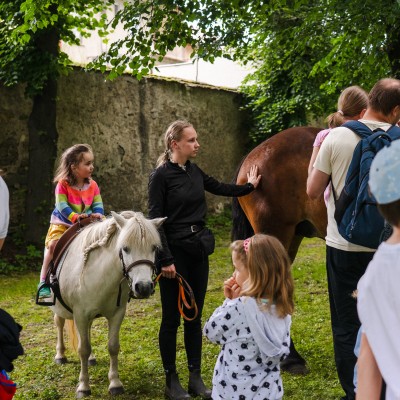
(48, 256)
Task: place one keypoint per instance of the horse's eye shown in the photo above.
(125, 249)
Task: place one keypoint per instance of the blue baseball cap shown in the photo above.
(384, 175)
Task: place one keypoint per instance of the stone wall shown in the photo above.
(124, 121)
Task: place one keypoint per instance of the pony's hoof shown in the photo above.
(117, 390)
(83, 393)
(61, 361)
(92, 362)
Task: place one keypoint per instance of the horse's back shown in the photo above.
(280, 202)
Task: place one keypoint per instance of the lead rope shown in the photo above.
(183, 290)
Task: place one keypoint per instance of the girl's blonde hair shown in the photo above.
(173, 132)
(270, 274)
(351, 102)
(72, 156)
(238, 248)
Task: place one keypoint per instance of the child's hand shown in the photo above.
(97, 216)
(236, 289)
(82, 216)
(228, 284)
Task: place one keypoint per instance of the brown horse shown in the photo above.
(280, 205)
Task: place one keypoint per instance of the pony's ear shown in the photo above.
(158, 221)
(118, 219)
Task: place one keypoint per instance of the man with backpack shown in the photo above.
(346, 261)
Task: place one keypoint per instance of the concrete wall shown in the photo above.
(124, 121)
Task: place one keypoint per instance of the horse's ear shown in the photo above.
(118, 219)
(158, 221)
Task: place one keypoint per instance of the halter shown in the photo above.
(125, 272)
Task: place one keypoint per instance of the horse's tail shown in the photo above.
(241, 228)
(71, 333)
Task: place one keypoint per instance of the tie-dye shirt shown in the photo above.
(71, 201)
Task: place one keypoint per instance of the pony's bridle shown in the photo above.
(125, 272)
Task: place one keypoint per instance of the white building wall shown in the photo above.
(177, 64)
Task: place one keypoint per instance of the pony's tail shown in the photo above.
(241, 228)
(71, 333)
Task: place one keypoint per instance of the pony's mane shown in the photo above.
(139, 233)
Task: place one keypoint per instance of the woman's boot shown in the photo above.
(173, 388)
(197, 386)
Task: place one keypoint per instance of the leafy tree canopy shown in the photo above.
(30, 32)
(305, 52)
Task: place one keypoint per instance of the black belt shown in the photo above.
(184, 228)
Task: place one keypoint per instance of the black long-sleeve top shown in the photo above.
(180, 196)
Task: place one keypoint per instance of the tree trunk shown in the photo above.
(42, 150)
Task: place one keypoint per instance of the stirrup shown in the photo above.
(45, 301)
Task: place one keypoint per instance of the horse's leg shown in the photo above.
(114, 325)
(92, 358)
(60, 347)
(84, 350)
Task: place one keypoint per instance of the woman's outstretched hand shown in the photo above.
(253, 177)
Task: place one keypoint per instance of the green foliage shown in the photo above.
(305, 52)
(30, 32)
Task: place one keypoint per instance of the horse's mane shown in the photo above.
(137, 234)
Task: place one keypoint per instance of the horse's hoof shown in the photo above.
(294, 368)
(117, 390)
(83, 393)
(61, 361)
(92, 362)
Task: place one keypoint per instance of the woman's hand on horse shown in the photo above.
(168, 271)
(253, 177)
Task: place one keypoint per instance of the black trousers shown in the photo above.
(344, 269)
(195, 271)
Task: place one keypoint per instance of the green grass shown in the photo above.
(140, 367)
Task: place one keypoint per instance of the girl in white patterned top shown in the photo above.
(253, 324)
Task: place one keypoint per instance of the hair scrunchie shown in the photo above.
(246, 244)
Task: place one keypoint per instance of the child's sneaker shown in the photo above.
(44, 290)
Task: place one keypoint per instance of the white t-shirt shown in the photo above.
(4, 209)
(334, 159)
(378, 303)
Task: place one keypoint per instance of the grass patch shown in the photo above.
(139, 362)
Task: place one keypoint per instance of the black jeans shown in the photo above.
(344, 269)
(195, 271)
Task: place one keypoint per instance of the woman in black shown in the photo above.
(177, 191)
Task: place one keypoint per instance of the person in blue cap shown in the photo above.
(378, 290)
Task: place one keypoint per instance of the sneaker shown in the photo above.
(44, 291)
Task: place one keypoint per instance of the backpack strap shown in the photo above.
(358, 128)
(364, 131)
(394, 132)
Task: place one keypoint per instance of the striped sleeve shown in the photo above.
(62, 203)
(97, 203)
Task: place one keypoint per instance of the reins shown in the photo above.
(184, 290)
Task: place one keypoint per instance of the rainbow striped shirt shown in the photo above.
(70, 202)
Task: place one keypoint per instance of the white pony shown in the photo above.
(105, 264)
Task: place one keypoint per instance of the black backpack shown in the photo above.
(356, 211)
